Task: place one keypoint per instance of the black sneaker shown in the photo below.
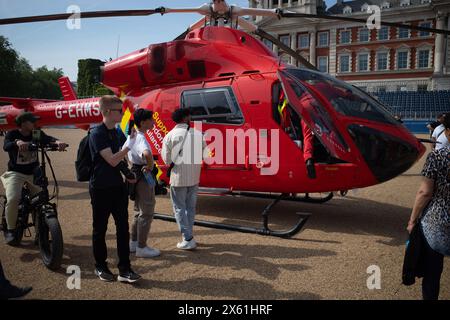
(104, 274)
(9, 291)
(129, 276)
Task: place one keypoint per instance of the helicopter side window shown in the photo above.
(195, 103)
(214, 105)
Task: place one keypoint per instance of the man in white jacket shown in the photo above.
(184, 147)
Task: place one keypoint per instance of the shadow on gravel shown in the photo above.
(349, 215)
(233, 288)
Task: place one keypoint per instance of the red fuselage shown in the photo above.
(357, 143)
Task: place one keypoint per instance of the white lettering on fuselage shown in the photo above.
(77, 110)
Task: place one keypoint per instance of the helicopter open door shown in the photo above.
(314, 114)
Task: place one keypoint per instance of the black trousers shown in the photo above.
(113, 200)
(433, 267)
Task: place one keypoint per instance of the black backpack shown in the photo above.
(83, 164)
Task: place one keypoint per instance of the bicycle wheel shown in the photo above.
(50, 240)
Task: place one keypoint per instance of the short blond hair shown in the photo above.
(107, 102)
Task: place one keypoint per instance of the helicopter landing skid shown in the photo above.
(306, 198)
(265, 230)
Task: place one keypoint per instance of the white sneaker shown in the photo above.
(187, 245)
(147, 252)
(133, 246)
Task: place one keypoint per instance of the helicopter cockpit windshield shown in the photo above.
(345, 99)
(315, 116)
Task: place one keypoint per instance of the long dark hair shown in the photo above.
(446, 121)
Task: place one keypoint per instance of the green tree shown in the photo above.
(88, 76)
(17, 78)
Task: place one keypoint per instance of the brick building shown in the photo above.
(377, 60)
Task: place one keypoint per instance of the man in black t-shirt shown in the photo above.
(21, 165)
(108, 192)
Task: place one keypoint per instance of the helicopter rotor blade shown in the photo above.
(238, 11)
(83, 15)
(288, 14)
(203, 10)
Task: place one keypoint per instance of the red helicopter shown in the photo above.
(238, 90)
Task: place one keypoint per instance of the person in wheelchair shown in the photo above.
(21, 166)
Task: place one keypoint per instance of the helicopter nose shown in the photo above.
(387, 156)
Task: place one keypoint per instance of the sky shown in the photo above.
(54, 45)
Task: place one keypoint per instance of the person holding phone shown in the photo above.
(141, 157)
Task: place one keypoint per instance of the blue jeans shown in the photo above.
(184, 200)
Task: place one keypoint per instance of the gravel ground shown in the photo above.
(328, 260)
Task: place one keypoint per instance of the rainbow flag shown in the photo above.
(125, 123)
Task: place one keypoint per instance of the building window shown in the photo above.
(424, 58)
(382, 61)
(425, 25)
(286, 40)
(345, 36)
(383, 33)
(363, 62)
(323, 39)
(285, 59)
(347, 10)
(402, 59)
(403, 33)
(303, 41)
(322, 63)
(405, 3)
(268, 44)
(422, 87)
(363, 35)
(344, 63)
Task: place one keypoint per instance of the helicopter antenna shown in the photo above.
(118, 45)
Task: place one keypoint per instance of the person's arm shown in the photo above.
(423, 196)
(426, 189)
(149, 158)
(113, 159)
(166, 150)
(10, 143)
(100, 143)
(46, 139)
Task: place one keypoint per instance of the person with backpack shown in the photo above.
(141, 158)
(107, 189)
